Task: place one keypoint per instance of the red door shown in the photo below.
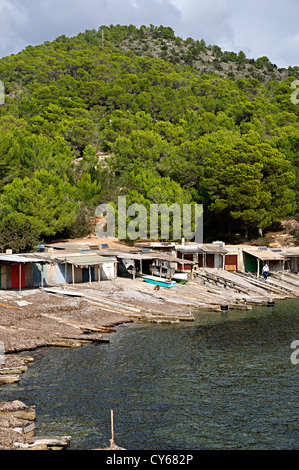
(231, 262)
(15, 276)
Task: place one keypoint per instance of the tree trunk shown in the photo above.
(246, 232)
(260, 231)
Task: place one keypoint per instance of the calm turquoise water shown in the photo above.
(223, 382)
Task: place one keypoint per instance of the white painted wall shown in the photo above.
(107, 271)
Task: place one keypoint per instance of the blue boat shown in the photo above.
(159, 281)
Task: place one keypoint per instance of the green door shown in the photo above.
(250, 263)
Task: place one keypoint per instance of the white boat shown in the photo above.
(181, 276)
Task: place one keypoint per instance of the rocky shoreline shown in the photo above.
(70, 316)
(17, 429)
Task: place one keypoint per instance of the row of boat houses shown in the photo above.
(71, 263)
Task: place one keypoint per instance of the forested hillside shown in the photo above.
(170, 132)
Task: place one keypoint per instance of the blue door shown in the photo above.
(85, 274)
(60, 274)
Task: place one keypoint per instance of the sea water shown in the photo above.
(225, 381)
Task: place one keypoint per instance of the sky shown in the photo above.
(257, 27)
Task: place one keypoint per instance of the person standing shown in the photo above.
(266, 271)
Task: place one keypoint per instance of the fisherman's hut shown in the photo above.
(205, 255)
(151, 263)
(22, 271)
(77, 268)
(233, 259)
(291, 259)
(256, 257)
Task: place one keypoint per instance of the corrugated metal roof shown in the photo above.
(172, 259)
(293, 251)
(205, 247)
(211, 248)
(187, 248)
(153, 255)
(84, 260)
(22, 259)
(264, 254)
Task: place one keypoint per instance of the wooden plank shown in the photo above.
(230, 267)
(87, 340)
(10, 306)
(81, 326)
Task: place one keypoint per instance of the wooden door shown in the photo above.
(231, 262)
(15, 276)
(210, 261)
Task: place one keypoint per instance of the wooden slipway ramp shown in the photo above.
(135, 312)
(212, 289)
(181, 297)
(251, 289)
(201, 293)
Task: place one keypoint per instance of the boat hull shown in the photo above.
(159, 282)
(183, 276)
(180, 277)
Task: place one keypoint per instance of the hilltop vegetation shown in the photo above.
(161, 43)
(171, 133)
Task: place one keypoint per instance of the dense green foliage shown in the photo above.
(168, 132)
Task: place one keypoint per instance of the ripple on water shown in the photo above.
(223, 382)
